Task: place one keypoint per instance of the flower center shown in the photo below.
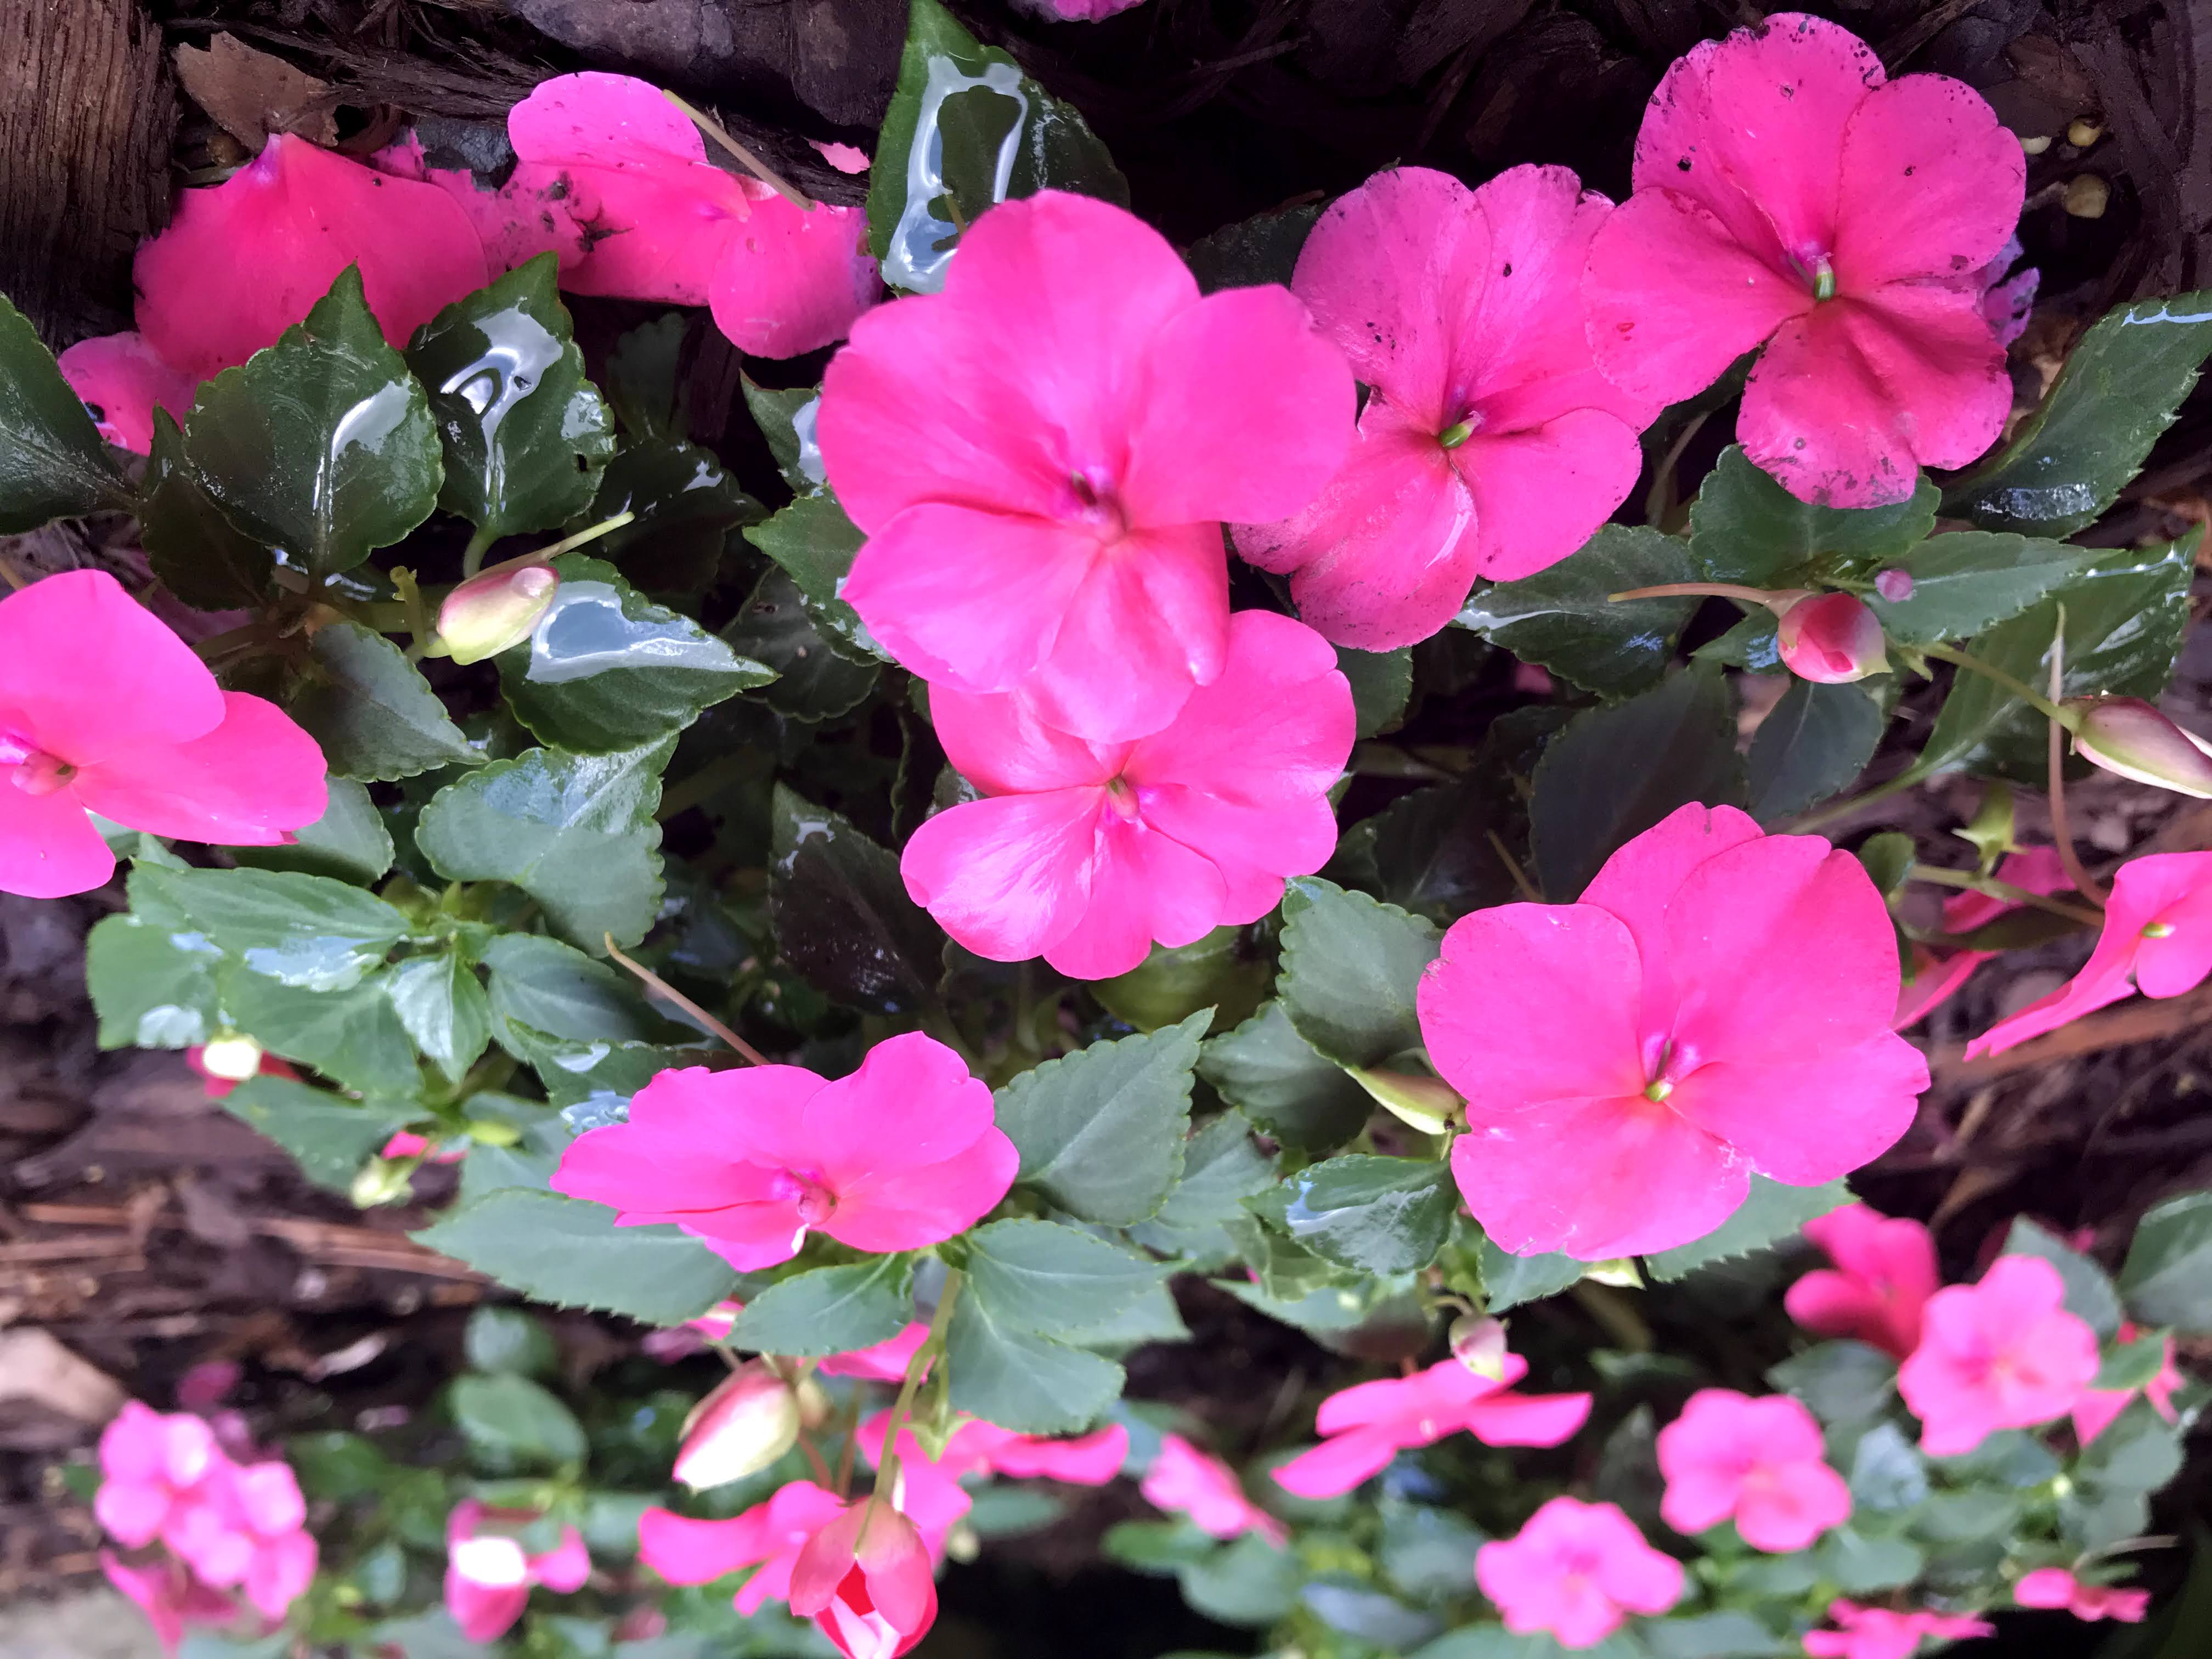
(815, 1202)
(36, 772)
(1122, 799)
(1461, 430)
(1097, 501)
(2158, 930)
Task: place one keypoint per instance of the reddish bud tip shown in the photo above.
(740, 1429)
(1831, 639)
(489, 612)
(2130, 737)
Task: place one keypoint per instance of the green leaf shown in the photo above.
(322, 445)
(52, 463)
(2138, 1452)
(575, 832)
(841, 913)
(1811, 746)
(1725, 1635)
(329, 1136)
(1382, 680)
(1381, 1215)
(442, 1005)
(816, 679)
(352, 1036)
(525, 434)
(1887, 1473)
(2129, 1366)
(1350, 967)
(1428, 1553)
(305, 930)
(199, 555)
(685, 504)
(512, 1424)
(1040, 1276)
(2168, 1280)
(1156, 1546)
(830, 1309)
(2089, 1293)
(2119, 390)
(1746, 528)
(1562, 619)
(1254, 252)
(1284, 1084)
(648, 379)
(1221, 1168)
(598, 1075)
(1101, 1131)
(373, 714)
(503, 1339)
(1615, 772)
(966, 129)
(1153, 1318)
(570, 1253)
(150, 983)
(1771, 1214)
(1508, 1281)
(815, 544)
(1224, 972)
(1859, 1563)
(556, 989)
(1434, 850)
(1969, 580)
(1020, 1381)
(350, 842)
(1841, 1382)
(1251, 1583)
(606, 669)
(2125, 616)
(786, 419)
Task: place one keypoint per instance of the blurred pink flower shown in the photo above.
(153, 1468)
(2157, 940)
(1790, 194)
(2099, 1407)
(1718, 1002)
(899, 1156)
(1759, 1462)
(1042, 454)
(1369, 1422)
(768, 1535)
(1184, 1480)
(1576, 1570)
(1490, 445)
(1936, 978)
(405, 1143)
(2002, 1354)
(1885, 1273)
(1086, 853)
(867, 1581)
(169, 1596)
(103, 710)
(219, 1088)
(883, 1362)
(1879, 1633)
(488, 1574)
(2055, 1586)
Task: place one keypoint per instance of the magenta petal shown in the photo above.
(249, 782)
(912, 1102)
(696, 1141)
(1528, 1419)
(996, 741)
(1144, 887)
(1276, 725)
(1930, 185)
(912, 1208)
(1337, 1465)
(86, 672)
(1009, 877)
(123, 380)
(48, 848)
(1804, 1124)
(793, 280)
(1541, 494)
(485, 1613)
(616, 121)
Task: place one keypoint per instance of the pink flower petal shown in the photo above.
(1809, 1123)
(527, 216)
(1145, 886)
(913, 1102)
(1528, 1419)
(1338, 1464)
(123, 380)
(1541, 492)
(1009, 877)
(86, 672)
(996, 741)
(48, 848)
(791, 281)
(1930, 185)
(911, 1209)
(249, 782)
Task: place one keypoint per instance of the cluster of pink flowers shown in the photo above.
(225, 1526)
(1887, 1633)
(1577, 1570)
(488, 1574)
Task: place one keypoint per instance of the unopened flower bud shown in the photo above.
(739, 1430)
(1893, 585)
(814, 1405)
(1621, 1272)
(1478, 1342)
(494, 610)
(381, 1181)
(232, 1056)
(1831, 639)
(2130, 737)
(1426, 1104)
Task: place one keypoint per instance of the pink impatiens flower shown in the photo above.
(1788, 193)
(1880, 1633)
(152, 1467)
(1184, 1480)
(2003, 1354)
(1576, 1570)
(2157, 940)
(2055, 1586)
(867, 1582)
(1830, 639)
(103, 710)
(1042, 453)
(901, 1155)
(1369, 1422)
(1490, 445)
(1936, 978)
(668, 224)
(1087, 852)
(1885, 1273)
(1717, 1003)
(1759, 1463)
(2099, 1407)
(170, 1597)
(488, 1574)
(768, 1535)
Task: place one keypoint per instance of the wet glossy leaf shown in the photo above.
(308, 931)
(606, 669)
(966, 129)
(329, 1137)
(2125, 616)
(441, 1003)
(842, 915)
(1771, 1214)
(199, 555)
(787, 419)
(525, 434)
(1284, 1084)
(816, 680)
(1563, 620)
(353, 1037)
(512, 1424)
(151, 983)
(1223, 971)
(1381, 1215)
(1615, 772)
(322, 445)
(52, 463)
(350, 842)
(371, 711)
(1810, 747)
(1969, 580)
(1351, 966)
(829, 1309)
(2089, 1293)
(575, 832)
(686, 504)
(1748, 528)
(593, 1075)
(2119, 390)
(2168, 1280)
(815, 544)
(570, 1253)
(1101, 1131)
(560, 992)
(1253, 252)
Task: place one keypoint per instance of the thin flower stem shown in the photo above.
(2046, 707)
(653, 981)
(932, 1349)
(1527, 888)
(751, 163)
(819, 1463)
(1843, 808)
(1758, 596)
(570, 543)
(2061, 831)
(472, 556)
(1968, 881)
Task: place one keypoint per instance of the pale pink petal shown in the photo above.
(270, 1498)
(1814, 1121)
(912, 1102)
(123, 380)
(1145, 887)
(912, 1208)
(1008, 876)
(280, 1573)
(131, 1512)
(997, 742)
(249, 782)
(793, 280)
(87, 672)
(1930, 185)
(48, 848)
(1539, 493)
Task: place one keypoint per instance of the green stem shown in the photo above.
(1843, 808)
(472, 556)
(2034, 699)
(932, 1348)
(1969, 882)
(589, 533)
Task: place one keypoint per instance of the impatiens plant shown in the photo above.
(1269, 776)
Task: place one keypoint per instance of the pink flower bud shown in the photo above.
(1893, 585)
(494, 610)
(2129, 736)
(867, 1581)
(1831, 639)
(739, 1430)
(1479, 1343)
